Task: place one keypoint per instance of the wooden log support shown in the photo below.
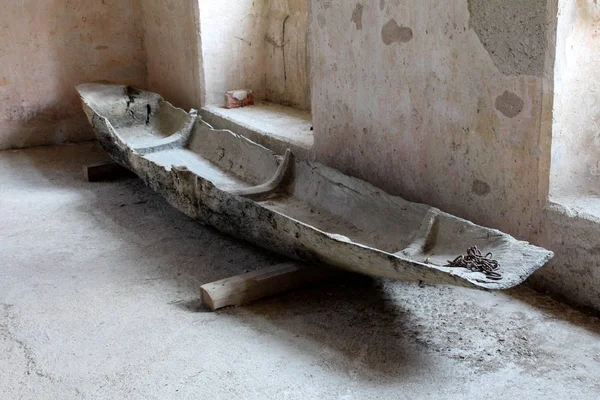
(106, 171)
(243, 289)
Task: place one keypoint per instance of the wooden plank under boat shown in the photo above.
(301, 209)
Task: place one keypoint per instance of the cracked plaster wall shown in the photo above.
(49, 46)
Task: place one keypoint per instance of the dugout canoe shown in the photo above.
(302, 209)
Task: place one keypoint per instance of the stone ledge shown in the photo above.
(572, 231)
(272, 125)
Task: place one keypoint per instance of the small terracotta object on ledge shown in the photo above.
(239, 98)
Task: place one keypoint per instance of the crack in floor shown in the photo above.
(7, 320)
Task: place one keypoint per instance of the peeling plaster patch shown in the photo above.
(513, 32)
(392, 33)
(381, 4)
(509, 104)
(357, 16)
(481, 188)
(322, 21)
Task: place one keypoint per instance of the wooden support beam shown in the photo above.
(106, 171)
(243, 289)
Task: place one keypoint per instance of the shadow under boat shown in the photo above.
(301, 209)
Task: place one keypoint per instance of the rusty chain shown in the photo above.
(477, 262)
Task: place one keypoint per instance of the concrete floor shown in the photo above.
(99, 300)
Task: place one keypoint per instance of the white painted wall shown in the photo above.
(243, 46)
(576, 131)
(287, 64)
(571, 225)
(172, 44)
(49, 46)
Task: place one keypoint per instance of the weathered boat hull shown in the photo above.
(301, 209)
